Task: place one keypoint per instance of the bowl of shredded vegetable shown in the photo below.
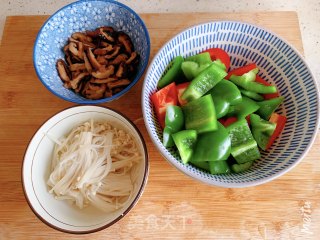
(84, 169)
(230, 104)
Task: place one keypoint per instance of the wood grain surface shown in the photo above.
(173, 206)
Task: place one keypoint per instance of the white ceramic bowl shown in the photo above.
(279, 63)
(80, 16)
(37, 162)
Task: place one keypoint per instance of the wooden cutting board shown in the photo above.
(173, 206)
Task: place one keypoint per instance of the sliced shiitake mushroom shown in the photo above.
(87, 63)
(102, 60)
(85, 44)
(119, 59)
(94, 91)
(103, 51)
(103, 72)
(115, 52)
(121, 71)
(81, 37)
(125, 40)
(98, 63)
(76, 50)
(108, 93)
(94, 63)
(63, 71)
(106, 35)
(132, 57)
(103, 80)
(118, 83)
(75, 81)
(77, 67)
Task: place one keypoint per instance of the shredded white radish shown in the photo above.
(95, 164)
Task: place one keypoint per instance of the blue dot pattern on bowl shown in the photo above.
(278, 62)
(78, 17)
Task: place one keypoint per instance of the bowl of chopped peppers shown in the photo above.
(230, 104)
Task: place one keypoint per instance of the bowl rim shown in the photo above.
(132, 204)
(223, 184)
(117, 95)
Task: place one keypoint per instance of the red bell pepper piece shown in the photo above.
(163, 98)
(218, 53)
(264, 82)
(222, 120)
(180, 89)
(241, 70)
(248, 119)
(228, 121)
(280, 121)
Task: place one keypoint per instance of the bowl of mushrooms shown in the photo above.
(91, 52)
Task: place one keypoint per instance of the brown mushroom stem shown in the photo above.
(131, 58)
(92, 91)
(77, 67)
(103, 51)
(115, 53)
(118, 83)
(103, 80)
(87, 63)
(76, 50)
(63, 70)
(106, 35)
(124, 39)
(85, 44)
(94, 63)
(75, 81)
(103, 72)
(81, 37)
(119, 59)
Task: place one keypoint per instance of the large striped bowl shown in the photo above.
(279, 63)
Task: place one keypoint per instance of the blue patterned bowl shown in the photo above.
(78, 17)
(278, 62)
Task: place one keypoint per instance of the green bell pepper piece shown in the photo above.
(252, 95)
(174, 122)
(219, 167)
(185, 141)
(246, 81)
(267, 107)
(262, 130)
(167, 137)
(174, 118)
(244, 108)
(237, 168)
(174, 72)
(243, 146)
(212, 146)
(201, 58)
(220, 64)
(201, 84)
(224, 94)
(200, 115)
(193, 69)
(202, 165)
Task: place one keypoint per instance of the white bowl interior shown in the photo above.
(37, 165)
(279, 63)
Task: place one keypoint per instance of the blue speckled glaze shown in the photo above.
(279, 63)
(82, 16)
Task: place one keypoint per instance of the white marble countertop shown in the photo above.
(308, 13)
